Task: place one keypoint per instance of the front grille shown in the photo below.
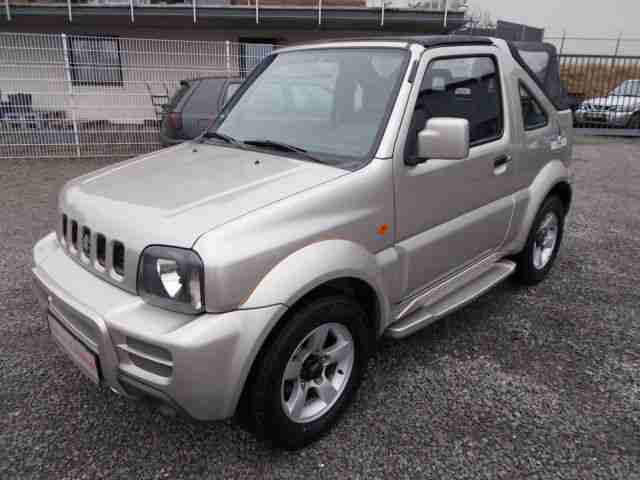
(74, 234)
(101, 250)
(600, 108)
(93, 249)
(118, 258)
(64, 227)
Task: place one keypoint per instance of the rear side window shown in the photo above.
(463, 87)
(231, 89)
(533, 115)
(180, 92)
(204, 100)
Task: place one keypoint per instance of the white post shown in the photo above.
(131, 11)
(195, 19)
(382, 17)
(257, 7)
(69, 11)
(7, 10)
(564, 38)
(228, 49)
(618, 45)
(72, 101)
(319, 12)
(446, 12)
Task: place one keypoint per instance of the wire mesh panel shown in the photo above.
(606, 92)
(96, 95)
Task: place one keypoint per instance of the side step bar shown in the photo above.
(430, 312)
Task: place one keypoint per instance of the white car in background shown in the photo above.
(621, 108)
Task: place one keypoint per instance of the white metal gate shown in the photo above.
(98, 96)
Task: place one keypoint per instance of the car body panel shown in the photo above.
(437, 242)
(239, 256)
(209, 356)
(175, 195)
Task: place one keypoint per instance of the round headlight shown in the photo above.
(171, 278)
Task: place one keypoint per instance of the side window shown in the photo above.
(462, 87)
(533, 115)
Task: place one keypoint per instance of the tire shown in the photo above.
(275, 413)
(532, 266)
(634, 121)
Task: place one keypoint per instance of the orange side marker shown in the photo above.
(383, 229)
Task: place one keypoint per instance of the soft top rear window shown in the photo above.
(540, 61)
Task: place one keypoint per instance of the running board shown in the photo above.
(430, 312)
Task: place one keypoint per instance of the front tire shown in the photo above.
(310, 372)
(535, 261)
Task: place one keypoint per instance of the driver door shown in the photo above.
(451, 213)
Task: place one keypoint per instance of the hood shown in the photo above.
(173, 196)
(612, 101)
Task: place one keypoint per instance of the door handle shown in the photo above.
(500, 164)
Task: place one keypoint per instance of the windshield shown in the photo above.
(331, 103)
(630, 88)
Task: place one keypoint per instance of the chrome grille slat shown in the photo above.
(90, 261)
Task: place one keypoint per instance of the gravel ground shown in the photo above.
(537, 383)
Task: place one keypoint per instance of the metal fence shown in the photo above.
(93, 96)
(605, 91)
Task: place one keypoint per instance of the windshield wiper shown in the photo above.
(218, 135)
(282, 146)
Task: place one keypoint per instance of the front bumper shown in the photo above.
(197, 363)
(604, 119)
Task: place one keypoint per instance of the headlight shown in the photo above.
(171, 278)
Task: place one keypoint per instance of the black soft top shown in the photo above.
(427, 41)
(540, 61)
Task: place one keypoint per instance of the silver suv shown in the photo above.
(349, 190)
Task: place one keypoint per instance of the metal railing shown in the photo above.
(605, 92)
(92, 96)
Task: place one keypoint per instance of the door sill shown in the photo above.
(451, 295)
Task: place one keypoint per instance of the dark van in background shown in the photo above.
(194, 105)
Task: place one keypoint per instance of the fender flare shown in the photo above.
(314, 265)
(553, 174)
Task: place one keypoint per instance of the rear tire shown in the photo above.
(536, 260)
(310, 372)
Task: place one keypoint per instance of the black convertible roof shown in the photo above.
(426, 41)
(539, 60)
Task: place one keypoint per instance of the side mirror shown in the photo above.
(444, 138)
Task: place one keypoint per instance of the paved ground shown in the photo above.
(539, 383)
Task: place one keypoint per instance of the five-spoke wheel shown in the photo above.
(537, 257)
(310, 370)
(317, 372)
